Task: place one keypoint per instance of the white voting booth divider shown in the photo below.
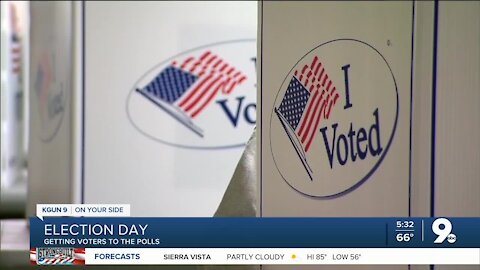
(368, 152)
(457, 147)
(456, 186)
(143, 103)
(335, 108)
(51, 135)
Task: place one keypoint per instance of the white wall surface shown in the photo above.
(124, 160)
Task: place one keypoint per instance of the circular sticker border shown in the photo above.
(377, 164)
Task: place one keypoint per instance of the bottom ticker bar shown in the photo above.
(290, 256)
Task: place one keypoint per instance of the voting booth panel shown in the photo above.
(335, 108)
(159, 103)
(422, 85)
(50, 155)
(457, 148)
(456, 182)
(334, 104)
(445, 89)
(354, 158)
(167, 120)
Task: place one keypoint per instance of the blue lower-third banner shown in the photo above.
(131, 240)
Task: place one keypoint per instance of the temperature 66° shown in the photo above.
(404, 237)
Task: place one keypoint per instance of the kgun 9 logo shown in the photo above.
(442, 227)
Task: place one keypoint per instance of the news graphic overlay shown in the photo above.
(61, 256)
(83, 210)
(198, 92)
(47, 255)
(334, 118)
(197, 241)
(408, 230)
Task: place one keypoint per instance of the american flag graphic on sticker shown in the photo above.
(186, 87)
(310, 97)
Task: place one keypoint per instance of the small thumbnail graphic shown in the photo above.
(48, 256)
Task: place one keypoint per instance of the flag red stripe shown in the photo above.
(242, 79)
(307, 79)
(324, 79)
(303, 72)
(195, 66)
(230, 71)
(199, 61)
(198, 90)
(310, 119)
(194, 91)
(202, 94)
(315, 73)
(333, 91)
(229, 88)
(318, 68)
(326, 112)
(204, 55)
(185, 63)
(327, 115)
(229, 84)
(219, 61)
(315, 59)
(321, 74)
(210, 61)
(209, 100)
(224, 67)
(197, 106)
(304, 68)
(206, 65)
(308, 110)
(307, 115)
(314, 130)
(328, 85)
